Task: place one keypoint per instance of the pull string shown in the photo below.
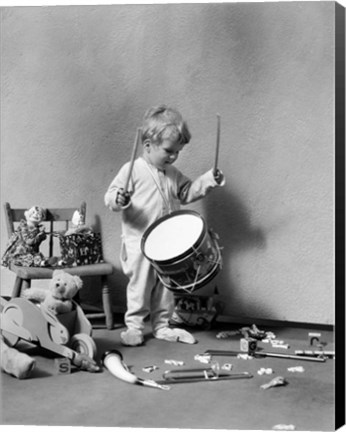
(159, 188)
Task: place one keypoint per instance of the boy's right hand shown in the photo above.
(123, 198)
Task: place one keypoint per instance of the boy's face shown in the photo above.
(161, 155)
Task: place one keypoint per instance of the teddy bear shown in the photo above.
(58, 298)
(14, 362)
(23, 246)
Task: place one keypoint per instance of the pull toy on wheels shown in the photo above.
(68, 334)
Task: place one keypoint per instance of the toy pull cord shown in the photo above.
(113, 361)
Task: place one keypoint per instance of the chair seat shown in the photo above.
(99, 269)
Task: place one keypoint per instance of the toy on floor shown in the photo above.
(58, 298)
(14, 362)
(247, 332)
(66, 334)
(277, 381)
(212, 373)
(194, 311)
(113, 361)
(259, 354)
(23, 246)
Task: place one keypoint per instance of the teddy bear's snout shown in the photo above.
(61, 287)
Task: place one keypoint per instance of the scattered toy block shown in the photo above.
(248, 345)
(62, 365)
(227, 366)
(314, 337)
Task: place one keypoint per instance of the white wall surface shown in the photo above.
(76, 80)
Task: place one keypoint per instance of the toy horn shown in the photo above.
(113, 361)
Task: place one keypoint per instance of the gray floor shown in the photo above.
(85, 399)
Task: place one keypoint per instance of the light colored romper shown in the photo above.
(154, 193)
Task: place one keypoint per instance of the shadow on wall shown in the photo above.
(227, 215)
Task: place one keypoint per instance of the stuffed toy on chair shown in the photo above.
(23, 246)
(58, 298)
(78, 225)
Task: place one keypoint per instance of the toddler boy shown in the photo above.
(156, 188)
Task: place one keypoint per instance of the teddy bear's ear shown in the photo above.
(78, 281)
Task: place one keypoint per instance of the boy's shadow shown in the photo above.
(227, 215)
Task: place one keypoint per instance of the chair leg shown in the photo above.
(107, 305)
(26, 284)
(17, 289)
(19, 286)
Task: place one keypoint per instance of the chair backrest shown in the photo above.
(53, 217)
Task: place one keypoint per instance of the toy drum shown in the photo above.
(183, 251)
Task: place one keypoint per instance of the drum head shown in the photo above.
(173, 236)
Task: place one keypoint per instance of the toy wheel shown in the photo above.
(83, 344)
(10, 338)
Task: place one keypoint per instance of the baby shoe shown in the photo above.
(131, 337)
(174, 335)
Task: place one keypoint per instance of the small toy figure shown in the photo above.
(252, 332)
(277, 381)
(23, 246)
(78, 225)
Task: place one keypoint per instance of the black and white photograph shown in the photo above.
(173, 215)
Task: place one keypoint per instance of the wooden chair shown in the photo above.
(57, 217)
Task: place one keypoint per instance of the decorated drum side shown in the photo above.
(184, 253)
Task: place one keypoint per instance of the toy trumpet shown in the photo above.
(201, 374)
(113, 361)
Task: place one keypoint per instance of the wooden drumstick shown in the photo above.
(133, 156)
(217, 144)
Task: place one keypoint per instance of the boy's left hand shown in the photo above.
(218, 176)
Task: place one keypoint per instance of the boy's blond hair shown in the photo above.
(163, 122)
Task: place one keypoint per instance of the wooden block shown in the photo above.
(248, 345)
(62, 365)
(314, 337)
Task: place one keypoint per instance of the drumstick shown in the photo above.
(217, 143)
(133, 156)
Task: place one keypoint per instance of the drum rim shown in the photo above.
(190, 288)
(168, 216)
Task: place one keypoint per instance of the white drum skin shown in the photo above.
(173, 237)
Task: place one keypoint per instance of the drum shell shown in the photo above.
(193, 268)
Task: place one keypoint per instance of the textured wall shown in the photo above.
(76, 81)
